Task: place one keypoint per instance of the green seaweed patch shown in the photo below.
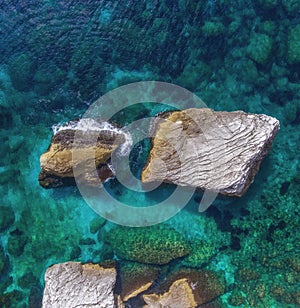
(293, 52)
(268, 4)
(201, 254)
(151, 245)
(236, 298)
(292, 6)
(260, 48)
(212, 28)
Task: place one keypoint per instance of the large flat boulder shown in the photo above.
(202, 148)
(73, 284)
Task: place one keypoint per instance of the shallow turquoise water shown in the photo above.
(57, 57)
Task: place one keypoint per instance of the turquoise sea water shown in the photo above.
(57, 57)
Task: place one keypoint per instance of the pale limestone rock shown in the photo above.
(72, 284)
(218, 151)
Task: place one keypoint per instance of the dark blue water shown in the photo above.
(57, 57)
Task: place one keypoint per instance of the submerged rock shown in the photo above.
(11, 299)
(152, 245)
(293, 53)
(57, 163)
(136, 278)
(291, 6)
(16, 242)
(220, 151)
(21, 71)
(187, 288)
(96, 224)
(260, 48)
(73, 284)
(179, 295)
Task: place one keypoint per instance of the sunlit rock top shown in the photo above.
(73, 284)
(220, 151)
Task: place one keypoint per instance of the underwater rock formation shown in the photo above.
(136, 278)
(187, 288)
(152, 245)
(73, 284)
(220, 151)
(179, 295)
(293, 54)
(57, 163)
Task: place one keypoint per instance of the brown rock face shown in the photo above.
(57, 163)
(220, 151)
(179, 295)
(73, 284)
(187, 288)
(135, 279)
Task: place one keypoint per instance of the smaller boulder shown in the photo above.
(179, 295)
(58, 161)
(187, 288)
(96, 224)
(136, 278)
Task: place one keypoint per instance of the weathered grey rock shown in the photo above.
(219, 151)
(73, 284)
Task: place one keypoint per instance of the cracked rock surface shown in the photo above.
(72, 284)
(202, 148)
(218, 151)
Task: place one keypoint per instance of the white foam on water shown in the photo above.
(89, 125)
